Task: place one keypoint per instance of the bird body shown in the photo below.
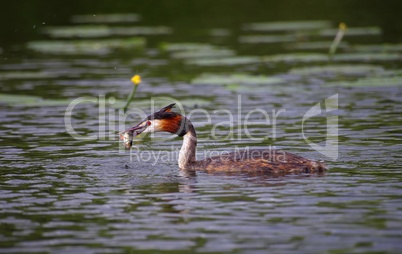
(255, 160)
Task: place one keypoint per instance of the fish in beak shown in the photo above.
(128, 135)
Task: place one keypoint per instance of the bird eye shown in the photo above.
(148, 123)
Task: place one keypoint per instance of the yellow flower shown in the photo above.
(136, 79)
(342, 26)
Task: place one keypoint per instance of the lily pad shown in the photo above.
(77, 31)
(367, 57)
(267, 38)
(93, 31)
(381, 48)
(350, 70)
(196, 50)
(74, 47)
(141, 30)
(239, 79)
(297, 57)
(26, 75)
(354, 31)
(11, 99)
(106, 18)
(370, 82)
(205, 52)
(225, 61)
(161, 102)
(288, 26)
(30, 100)
(36, 101)
(171, 47)
(316, 45)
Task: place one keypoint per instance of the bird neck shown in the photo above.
(188, 148)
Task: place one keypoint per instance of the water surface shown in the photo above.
(63, 195)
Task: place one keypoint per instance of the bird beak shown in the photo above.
(138, 129)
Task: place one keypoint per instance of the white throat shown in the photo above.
(187, 151)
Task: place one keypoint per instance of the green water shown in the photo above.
(223, 63)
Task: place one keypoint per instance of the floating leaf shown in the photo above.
(141, 30)
(51, 102)
(369, 82)
(354, 31)
(36, 101)
(77, 31)
(202, 53)
(267, 38)
(381, 48)
(161, 102)
(85, 46)
(367, 57)
(186, 46)
(103, 31)
(297, 57)
(225, 61)
(18, 99)
(196, 50)
(106, 18)
(27, 75)
(30, 100)
(315, 45)
(288, 26)
(351, 70)
(230, 79)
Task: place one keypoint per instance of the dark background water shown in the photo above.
(62, 195)
(19, 18)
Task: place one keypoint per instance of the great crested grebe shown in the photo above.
(256, 160)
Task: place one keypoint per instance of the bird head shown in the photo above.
(163, 120)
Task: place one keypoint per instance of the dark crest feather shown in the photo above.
(168, 108)
(164, 113)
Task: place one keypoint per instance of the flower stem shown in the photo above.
(337, 40)
(130, 98)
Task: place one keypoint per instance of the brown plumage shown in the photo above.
(256, 160)
(259, 160)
